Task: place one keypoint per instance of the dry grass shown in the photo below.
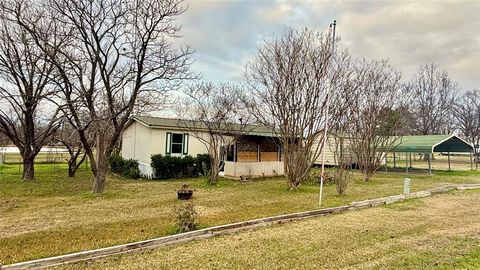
(55, 215)
(441, 232)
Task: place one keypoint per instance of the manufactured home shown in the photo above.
(255, 153)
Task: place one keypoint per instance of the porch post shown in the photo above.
(448, 153)
(429, 164)
(258, 152)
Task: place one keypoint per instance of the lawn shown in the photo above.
(416, 234)
(55, 215)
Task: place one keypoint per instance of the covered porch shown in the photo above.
(253, 156)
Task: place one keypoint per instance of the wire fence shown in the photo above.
(44, 163)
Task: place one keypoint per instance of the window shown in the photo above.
(177, 143)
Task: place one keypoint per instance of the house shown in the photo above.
(255, 153)
(336, 148)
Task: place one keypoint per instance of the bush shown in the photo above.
(185, 217)
(125, 167)
(342, 177)
(167, 167)
(314, 178)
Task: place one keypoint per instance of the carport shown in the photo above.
(429, 144)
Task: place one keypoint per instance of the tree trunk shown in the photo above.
(72, 167)
(214, 171)
(100, 170)
(28, 168)
(99, 180)
(368, 173)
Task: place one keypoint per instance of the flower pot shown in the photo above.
(185, 194)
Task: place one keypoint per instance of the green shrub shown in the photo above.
(125, 167)
(167, 167)
(116, 163)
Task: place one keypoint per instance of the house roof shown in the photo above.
(432, 143)
(162, 122)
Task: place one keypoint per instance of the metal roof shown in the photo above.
(432, 143)
(162, 122)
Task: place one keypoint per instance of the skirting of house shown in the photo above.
(146, 170)
(253, 169)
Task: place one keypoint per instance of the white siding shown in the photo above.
(140, 142)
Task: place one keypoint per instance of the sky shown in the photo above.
(226, 34)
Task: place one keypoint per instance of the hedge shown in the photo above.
(125, 167)
(166, 167)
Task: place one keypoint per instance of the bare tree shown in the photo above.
(375, 114)
(290, 80)
(434, 95)
(68, 137)
(213, 114)
(28, 111)
(118, 53)
(467, 118)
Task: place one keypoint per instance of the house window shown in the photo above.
(177, 143)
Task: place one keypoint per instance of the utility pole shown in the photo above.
(325, 133)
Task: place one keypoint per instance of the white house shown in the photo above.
(256, 153)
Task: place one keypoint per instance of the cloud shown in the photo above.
(225, 34)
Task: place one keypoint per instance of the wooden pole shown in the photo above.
(394, 160)
(410, 158)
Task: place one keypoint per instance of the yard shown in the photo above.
(55, 215)
(416, 234)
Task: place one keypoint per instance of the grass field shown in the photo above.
(55, 215)
(440, 232)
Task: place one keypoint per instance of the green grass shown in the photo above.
(439, 232)
(54, 214)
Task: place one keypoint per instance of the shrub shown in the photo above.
(342, 177)
(186, 216)
(116, 163)
(130, 169)
(314, 178)
(179, 167)
(125, 167)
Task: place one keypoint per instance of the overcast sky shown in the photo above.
(225, 34)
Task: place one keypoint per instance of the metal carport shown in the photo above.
(429, 144)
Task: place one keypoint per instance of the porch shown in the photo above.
(253, 156)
